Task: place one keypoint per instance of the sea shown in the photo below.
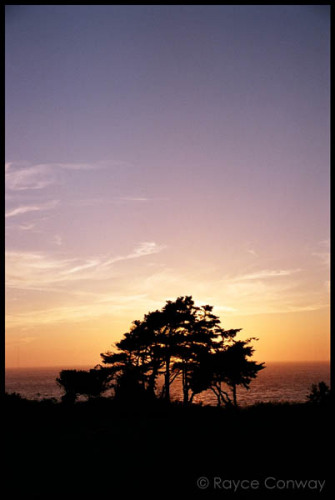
(278, 382)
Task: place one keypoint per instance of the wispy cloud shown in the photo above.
(269, 291)
(139, 198)
(25, 177)
(266, 273)
(105, 305)
(145, 248)
(263, 292)
(38, 271)
(95, 202)
(133, 198)
(274, 294)
(87, 265)
(31, 208)
(27, 227)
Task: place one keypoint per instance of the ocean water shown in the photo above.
(276, 383)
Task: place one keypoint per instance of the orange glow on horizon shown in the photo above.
(281, 337)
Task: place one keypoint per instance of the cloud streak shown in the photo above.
(145, 248)
(275, 293)
(39, 271)
(31, 208)
(27, 178)
(263, 292)
(96, 307)
(24, 177)
(265, 274)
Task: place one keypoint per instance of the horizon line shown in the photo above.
(84, 365)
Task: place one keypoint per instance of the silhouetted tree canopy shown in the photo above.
(226, 367)
(90, 383)
(181, 340)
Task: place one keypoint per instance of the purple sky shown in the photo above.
(153, 151)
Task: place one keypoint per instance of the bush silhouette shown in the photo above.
(89, 383)
(320, 394)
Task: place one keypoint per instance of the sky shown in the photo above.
(160, 151)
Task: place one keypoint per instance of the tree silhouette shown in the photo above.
(90, 383)
(237, 368)
(181, 339)
(177, 318)
(153, 344)
(226, 367)
(137, 356)
(201, 336)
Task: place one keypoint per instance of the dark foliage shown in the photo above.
(186, 341)
(90, 383)
(320, 394)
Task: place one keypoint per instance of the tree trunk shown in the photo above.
(234, 395)
(152, 380)
(167, 379)
(217, 394)
(185, 388)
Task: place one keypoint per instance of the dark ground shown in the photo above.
(99, 449)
